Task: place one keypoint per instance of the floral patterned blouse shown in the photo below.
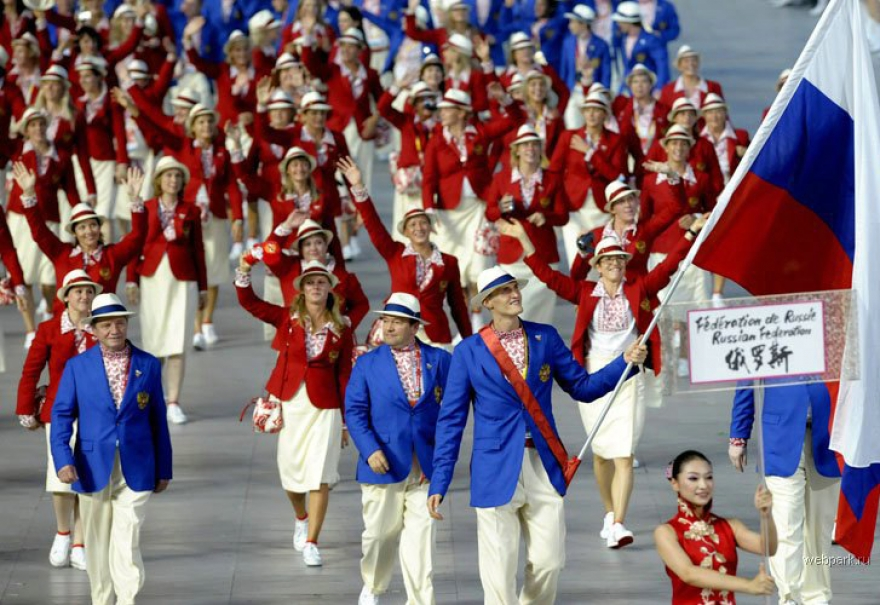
(710, 543)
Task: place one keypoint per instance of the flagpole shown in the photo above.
(759, 421)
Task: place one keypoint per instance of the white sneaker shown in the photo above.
(636, 463)
(235, 251)
(367, 597)
(311, 555)
(606, 525)
(300, 534)
(29, 340)
(347, 253)
(684, 368)
(619, 536)
(355, 246)
(175, 414)
(78, 558)
(199, 342)
(59, 555)
(717, 301)
(43, 311)
(210, 334)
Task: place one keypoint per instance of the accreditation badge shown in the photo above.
(544, 372)
(438, 393)
(640, 57)
(143, 399)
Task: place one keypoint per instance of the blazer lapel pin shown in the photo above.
(137, 373)
(538, 337)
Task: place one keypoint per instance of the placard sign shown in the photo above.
(754, 342)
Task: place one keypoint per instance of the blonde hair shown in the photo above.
(157, 184)
(67, 108)
(287, 183)
(117, 36)
(332, 312)
(514, 155)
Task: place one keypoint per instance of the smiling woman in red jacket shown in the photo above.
(314, 346)
(527, 192)
(418, 268)
(57, 340)
(103, 262)
(172, 266)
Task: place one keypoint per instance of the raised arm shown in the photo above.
(379, 235)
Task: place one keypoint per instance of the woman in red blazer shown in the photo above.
(311, 242)
(170, 270)
(611, 313)
(54, 173)
(416, 123)
(729, 143)
(545, 120)
(419, 268)
(689, 84)
(642, 119)
(104, 263)
(533, 195)
(588, 158)
(315, 347)
(104, 124)
(458, 173)
(235, 79)
(57, 340)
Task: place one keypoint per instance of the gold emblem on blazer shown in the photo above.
(640, 57)
(544, 373)
(545, 202)
(393, 15)
(478, 149)
(594, 63)
(701, 166)
(143, 399)
(641, 246)
(694, 201)
(56, 178)
(334, 355)
(662, 26)
(67, 136)
(186, 228)
(646, 305)
(438, 393)
(549, 33)
(443, 285)
(104, 272)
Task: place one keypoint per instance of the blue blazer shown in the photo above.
(665, 24)
(650, 51)
(785, 422)
(391, 22)
(379, 416)
(598, 52)
(138, 426)
(500, 418)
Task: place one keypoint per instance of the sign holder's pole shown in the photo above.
(759, 432)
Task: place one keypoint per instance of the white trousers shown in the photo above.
(112, 520)
(396, 521)
(804, 507)
(537, 514)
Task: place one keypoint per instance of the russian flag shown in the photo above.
(802, 214)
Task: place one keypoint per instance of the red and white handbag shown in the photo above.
(267, 415)
(7, 292)
(487, 238)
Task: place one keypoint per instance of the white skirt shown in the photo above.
(694, 285)
(35, 265)
(456, 232)
(586, 219)
(363, 152)
(309, 445)
(53, 483)
(167, 311)
(622, 428)
(538, 301)
(104, 172)
(217, 241)
(264, 210)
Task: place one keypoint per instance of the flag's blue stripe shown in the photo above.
(857, 483)
(811, 154)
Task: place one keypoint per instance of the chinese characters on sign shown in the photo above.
(768, 341)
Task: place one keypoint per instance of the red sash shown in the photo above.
(568, 465)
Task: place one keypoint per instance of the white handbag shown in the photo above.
(267, 416)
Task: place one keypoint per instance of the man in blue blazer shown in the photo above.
(802, 474)
(634, 45)
(581, 48)
(123, 451)
(391, 408)
(665, 23)
(517, 483)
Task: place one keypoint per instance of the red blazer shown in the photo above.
(624, 109)
(67, 256)
(444, 173)
(7, 143)
(607, 163)
(160, 131)
(555, 126)
(556, 84)
(59, 175)
(50, 347)
(547, 200)
(641, 293)
(733, 159)
(326, 376)
(105, 132)
(154, 91)
(26, 23)
(260, 169)
(340, 94)
(414, 136)
(70, 139)
(186, 253)
(683, 198)
(702, 159)
(668, 94)
(7, 253)
(229, 105)
(445, 284)
(354, 303)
